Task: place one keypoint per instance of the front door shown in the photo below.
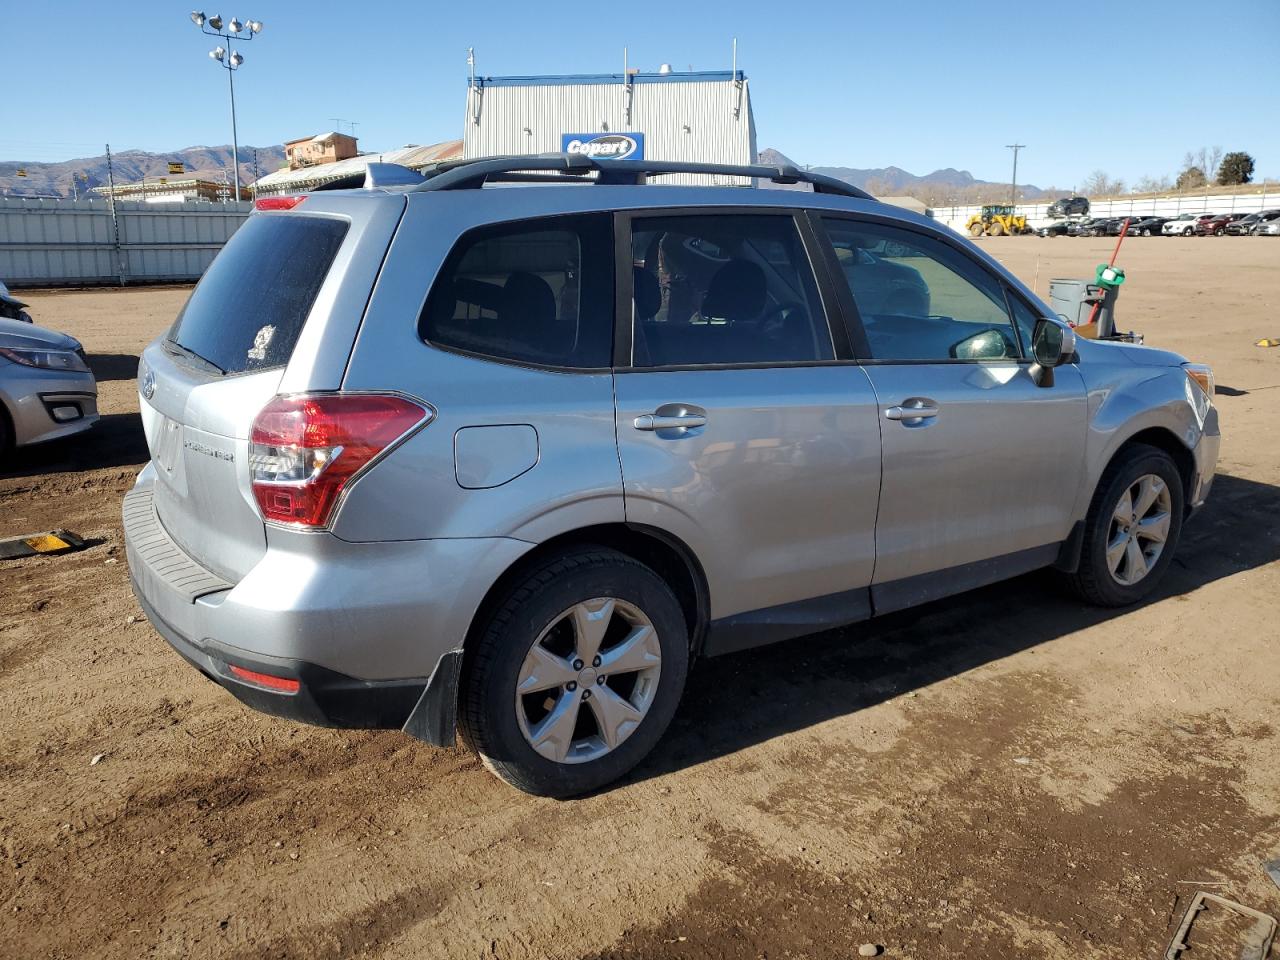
(743, 427)
(981, 463)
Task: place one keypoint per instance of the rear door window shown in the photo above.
(249, 307)
(536, 292)
(714, 289)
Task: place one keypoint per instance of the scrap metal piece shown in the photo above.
(30, 544)
(1273, 870)
(1257, 942)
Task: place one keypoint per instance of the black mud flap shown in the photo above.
(435, 718)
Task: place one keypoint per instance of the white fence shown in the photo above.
(48, 242)
(1168, 206)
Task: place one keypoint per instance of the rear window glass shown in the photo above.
(248, 309)
(535, 292)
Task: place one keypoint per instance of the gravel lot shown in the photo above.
(1006, 774)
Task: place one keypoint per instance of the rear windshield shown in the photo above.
(249, 307)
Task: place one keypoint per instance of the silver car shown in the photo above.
(455, 453)
(46, 388)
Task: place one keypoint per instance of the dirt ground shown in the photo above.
(1006, 774)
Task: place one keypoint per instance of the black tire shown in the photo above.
(1093, 580)
(487, 708)
(6, 436)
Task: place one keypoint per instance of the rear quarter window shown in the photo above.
(248, 309)
(535, 292)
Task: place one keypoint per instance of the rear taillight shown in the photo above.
(304, 450)
(278, 203)
(266, 680)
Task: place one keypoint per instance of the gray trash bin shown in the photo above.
(1072, 301)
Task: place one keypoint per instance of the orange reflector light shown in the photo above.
(279, 684)
(278, 203)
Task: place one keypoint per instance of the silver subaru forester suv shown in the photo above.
(455, 452)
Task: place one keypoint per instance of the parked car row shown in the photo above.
(1265, 223)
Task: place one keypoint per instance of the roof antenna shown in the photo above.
(737, 82)
(628, 89)
(474, 90)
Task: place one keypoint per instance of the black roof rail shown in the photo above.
(573, 167)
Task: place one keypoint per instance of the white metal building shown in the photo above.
(702, 116)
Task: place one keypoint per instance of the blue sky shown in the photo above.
(917, 85)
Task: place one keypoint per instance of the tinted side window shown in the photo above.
(249, 307)
(537, 291)
(724, 288)
(920, 300)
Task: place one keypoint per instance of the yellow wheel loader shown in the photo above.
(997, 221)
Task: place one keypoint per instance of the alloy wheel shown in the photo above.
(588, 681)
(1139, 529)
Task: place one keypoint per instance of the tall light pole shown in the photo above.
(230, 60)
(1013, 187)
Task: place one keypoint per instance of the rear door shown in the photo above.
(743, 426)
(981, 463)
(285, 285)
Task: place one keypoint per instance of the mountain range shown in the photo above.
(130, 166)
(891, 181)
(211, 163)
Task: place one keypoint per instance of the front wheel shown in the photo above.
(1132, 528)
(576, 675)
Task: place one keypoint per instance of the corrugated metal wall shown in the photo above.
(680, 119)
(52, 242)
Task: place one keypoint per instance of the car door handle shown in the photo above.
(656, 421)
(917, 408)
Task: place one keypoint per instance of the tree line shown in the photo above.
(1228, 169)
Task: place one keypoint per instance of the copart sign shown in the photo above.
(604, 146)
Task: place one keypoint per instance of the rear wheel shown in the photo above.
(995, 230)
(576, 675)
(1132, 528)
(976, 230)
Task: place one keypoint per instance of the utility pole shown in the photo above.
(1013, 187)
(115, 222)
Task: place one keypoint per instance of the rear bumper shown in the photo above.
(363, 627)
(324, 698)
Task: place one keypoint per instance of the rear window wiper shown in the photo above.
(175, 347)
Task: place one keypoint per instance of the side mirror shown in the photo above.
(1053, 343)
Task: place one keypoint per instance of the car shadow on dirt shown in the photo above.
(116, 440)
(113, 366)
(740, 700)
